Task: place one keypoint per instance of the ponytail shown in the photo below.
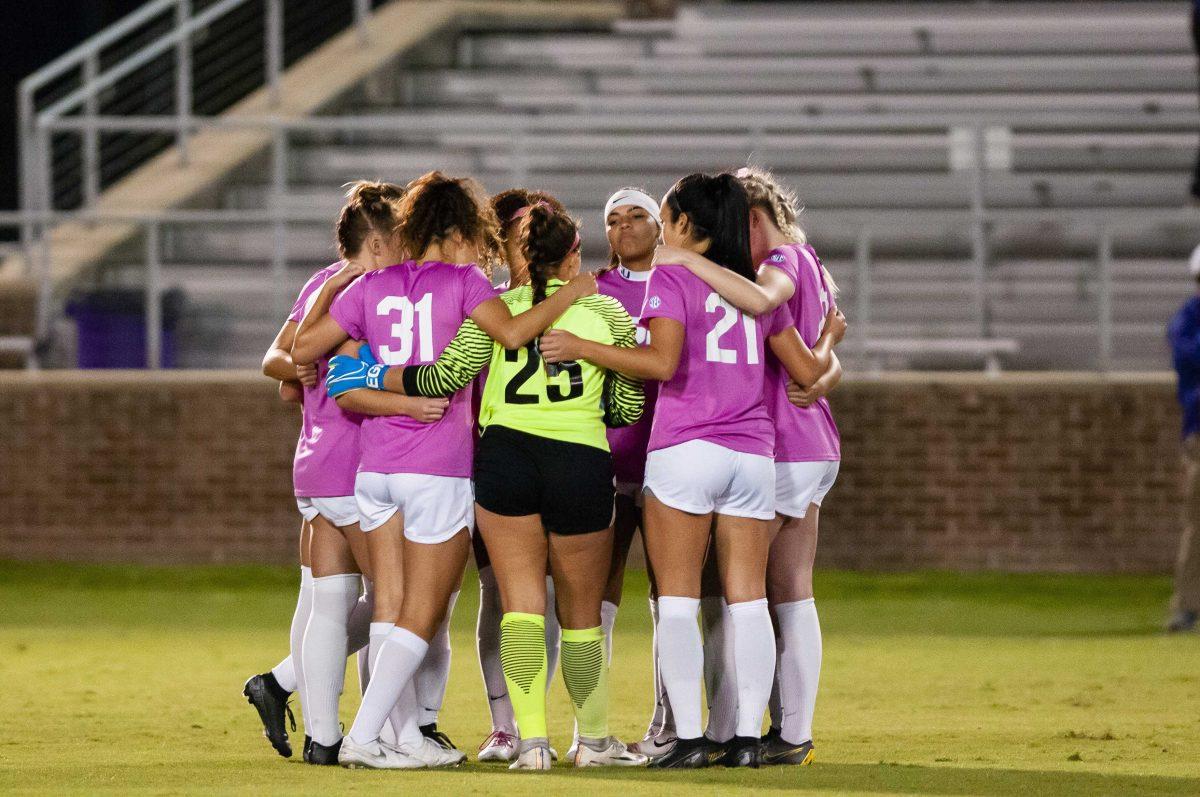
(548, 236)
(370, 207)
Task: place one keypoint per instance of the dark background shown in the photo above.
(32, 35)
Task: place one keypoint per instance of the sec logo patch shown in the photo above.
(655, 302)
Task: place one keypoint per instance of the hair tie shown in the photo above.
(522, 212)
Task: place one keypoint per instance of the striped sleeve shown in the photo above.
(624, 398)
(459, 363)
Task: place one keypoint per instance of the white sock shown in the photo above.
(660, 720)
(681, 660)
(553, 633)
(324, 654)
(799, 666)
(720, 678)
(754, 662)
(287, 672)
(430, 680)
(378, 635)
(487, 643)
(391, 688)
(608, 620)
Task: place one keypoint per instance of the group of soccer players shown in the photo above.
(541, 423)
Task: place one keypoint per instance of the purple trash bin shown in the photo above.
(110, 327)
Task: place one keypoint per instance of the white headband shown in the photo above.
(632, 196)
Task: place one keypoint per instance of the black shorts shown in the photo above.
(570, 485)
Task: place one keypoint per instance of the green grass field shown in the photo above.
(127, 680)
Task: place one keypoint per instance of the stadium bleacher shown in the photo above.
(877, 115)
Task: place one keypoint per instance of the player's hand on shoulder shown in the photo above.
(350, 271)
(582, 284)
(558, 345)
(836, 324)
(673, 255)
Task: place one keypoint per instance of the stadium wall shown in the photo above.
(1063, 473)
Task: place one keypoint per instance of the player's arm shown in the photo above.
(513, 332)
(657, 360)
(319, 333)
(807, 396)
(804, 365)
(374, 402)
(624, 396)
(277, 362)
(461, 361)
(772, 289)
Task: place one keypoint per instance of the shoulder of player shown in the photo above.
(602, 304)
(516, 295)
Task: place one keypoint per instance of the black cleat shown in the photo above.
(271, 700)
(779, 751)
(771, 735)
(741, 751)
(307, 745)
(686, 754)
(321, 755)
(431, 731)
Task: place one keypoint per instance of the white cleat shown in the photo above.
(375, 755)
(535, 758)
(499, 746)
(429, 753)
(615, 754)
(654, 746)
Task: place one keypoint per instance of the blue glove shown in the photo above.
(348, 373)
(364, 354)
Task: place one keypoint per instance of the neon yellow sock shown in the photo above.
(523, 657)
(586, 674)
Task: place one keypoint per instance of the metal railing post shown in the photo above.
(274, 49)
(362, 14)
(45, 171)
(1104, 324)
(153, 298)
(45, 293)
(91, 136)
(183, 79)
(279, 182)
(27, 164)
(979, 255)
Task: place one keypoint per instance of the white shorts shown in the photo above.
(702, 477)
(340, 511)
(435, 508)
(800, 484)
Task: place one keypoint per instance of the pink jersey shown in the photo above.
(802, 434)
(408, 313)
(628, 443)
(716, 393)
(327, 451)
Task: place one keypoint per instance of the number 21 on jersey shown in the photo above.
(714, 352)
(418, 315)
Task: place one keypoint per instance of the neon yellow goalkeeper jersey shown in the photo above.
(572, 401)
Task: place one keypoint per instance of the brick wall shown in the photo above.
(1023, 472)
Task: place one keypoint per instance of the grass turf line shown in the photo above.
(127, 680)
